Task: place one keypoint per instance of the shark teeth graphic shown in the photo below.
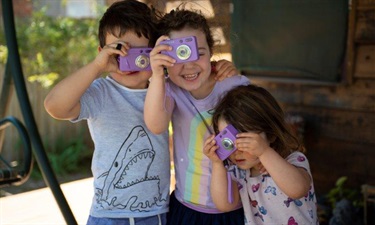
(128, 184)
(126, 179)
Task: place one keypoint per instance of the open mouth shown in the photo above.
(190, 77)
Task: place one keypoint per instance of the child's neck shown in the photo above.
(205, 89)
(254, 172)
(135, 86)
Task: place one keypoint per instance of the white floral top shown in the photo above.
(265, 203)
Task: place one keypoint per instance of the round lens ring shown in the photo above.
(142, 61)
(227, 144)
(183, 52)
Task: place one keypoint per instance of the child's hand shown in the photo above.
(223, 69)
(106, 60)
(160, 61)
(253, 143)
(210, 148)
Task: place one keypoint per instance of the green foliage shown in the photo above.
(340, 192)
(3, 54)
(67, 156)
(52, 48)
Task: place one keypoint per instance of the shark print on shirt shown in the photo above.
(129, 172)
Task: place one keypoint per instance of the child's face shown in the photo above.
(136, 79)
(242, 159)
(193, 76)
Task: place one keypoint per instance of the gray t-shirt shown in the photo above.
(130, 165)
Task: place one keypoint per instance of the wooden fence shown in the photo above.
(49, 129)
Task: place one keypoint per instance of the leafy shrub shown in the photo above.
(67, 156)
(52, 48)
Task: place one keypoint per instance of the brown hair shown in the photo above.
(129, 15)
(253, 108)
(181, 18)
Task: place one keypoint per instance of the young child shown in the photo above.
(130, 165)
(185, 99)
(285, 195)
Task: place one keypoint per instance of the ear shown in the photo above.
(272, 139)
(99, 48)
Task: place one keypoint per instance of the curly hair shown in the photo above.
(253, 108)
(129, 15)
(181, 18)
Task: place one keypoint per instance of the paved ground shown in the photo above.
(39, 206)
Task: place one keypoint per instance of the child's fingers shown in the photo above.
(250, 134)
(164, 60)
(209, 143)
(230, 72)
(118, 48)
(121, 45)
(160, 39)
(157, 57)
(210, 146)
(225, 68)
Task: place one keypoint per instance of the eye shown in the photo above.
(116, 164)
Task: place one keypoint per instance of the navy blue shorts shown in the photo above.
(179, 214)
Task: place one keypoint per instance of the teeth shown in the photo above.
(145, 155)
(190, 76)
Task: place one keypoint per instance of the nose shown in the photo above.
(236, 153)
(189, 64)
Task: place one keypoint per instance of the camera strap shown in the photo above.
(200, 115)
(226, 164)
(229, 180)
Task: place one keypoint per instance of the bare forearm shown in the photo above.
(62, 102)
(293, 181)
(219, 189)
(155, 110)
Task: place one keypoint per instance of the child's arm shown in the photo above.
(219, 182)
(223, 69)
(62, 102)
(293, 181)
(156, 113)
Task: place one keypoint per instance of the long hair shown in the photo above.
(253, 108)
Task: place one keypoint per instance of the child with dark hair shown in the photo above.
(186, 98)
(283, 195)
(130, 165)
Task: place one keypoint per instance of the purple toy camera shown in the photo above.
(225, 140)
(137, 59)
(184, 49)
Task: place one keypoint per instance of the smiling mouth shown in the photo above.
(190, 76)
(240, 160)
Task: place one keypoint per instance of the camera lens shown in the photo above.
(227, 144)
(183, 52)
(142, 61)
